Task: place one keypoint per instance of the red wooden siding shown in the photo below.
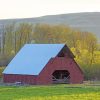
(12, 78)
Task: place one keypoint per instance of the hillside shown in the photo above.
(89, 21)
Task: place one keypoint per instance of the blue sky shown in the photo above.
(36, 8)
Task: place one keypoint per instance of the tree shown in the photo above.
(9, 39)
(24, 33)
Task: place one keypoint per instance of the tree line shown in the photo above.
(84, 45)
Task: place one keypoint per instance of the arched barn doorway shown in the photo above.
(61, 76)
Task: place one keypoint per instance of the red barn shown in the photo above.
(43, 64)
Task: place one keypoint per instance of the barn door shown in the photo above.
(61, 76)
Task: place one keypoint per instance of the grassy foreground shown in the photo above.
(56, 92)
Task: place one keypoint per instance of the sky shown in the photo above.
(37, 8)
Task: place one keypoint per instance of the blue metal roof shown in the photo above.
(32, 58)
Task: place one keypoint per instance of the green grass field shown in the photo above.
(54, 92)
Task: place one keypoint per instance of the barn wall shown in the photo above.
(12, 78)
(60, 63)
(45, 76)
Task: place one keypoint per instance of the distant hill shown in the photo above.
(89, 21)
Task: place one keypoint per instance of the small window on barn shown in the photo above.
(61, 55)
